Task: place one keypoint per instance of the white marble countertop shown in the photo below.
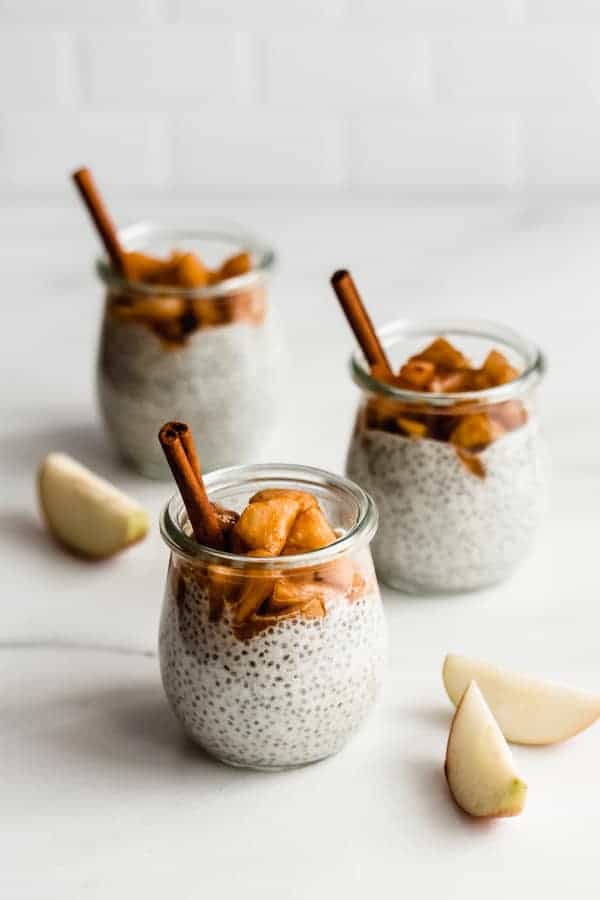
(102, 797)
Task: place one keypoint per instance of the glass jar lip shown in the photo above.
(361, 532)
(136, 235)
(534, 370)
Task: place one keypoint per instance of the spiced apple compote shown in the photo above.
(272, 648)
(448, 445)
(187, 334)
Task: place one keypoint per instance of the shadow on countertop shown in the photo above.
(129, 731)
(24, 448)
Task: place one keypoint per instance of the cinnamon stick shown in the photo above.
(360, 322)
(104, 225)
(186, 438)
(187, 474)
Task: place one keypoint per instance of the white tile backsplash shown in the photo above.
(36, 69)
(260, 14)
(39, 150)
(414, 95)
(351, 69)
(552, 67)
(561, 152)
(259, 148)
(562, 11)
(82, 12)
(404, 149)
(439, 13)
(166, 68)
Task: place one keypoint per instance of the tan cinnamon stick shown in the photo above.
(104, 225)
(187, 474)
(360, 322)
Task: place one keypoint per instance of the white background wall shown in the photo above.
(425, 96)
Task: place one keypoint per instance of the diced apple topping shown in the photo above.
(498, 369)
(339, 574)
(310, 531)
(173, 318)
(450, 382)
(476, 431)
(183, 269)
(443, 355)
(235, 266)
(291, 592)
(254, 593)
(510, 415)
(155, 310)
(279, 522)
(142, 268)
(189, 270)
(442, 369)
(303, 498)
(416, 373)
(411, 427)
(266, 524)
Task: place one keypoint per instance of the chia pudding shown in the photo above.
(181, 340)
(459, 478)
(274, 661)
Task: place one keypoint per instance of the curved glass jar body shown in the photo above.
(273, 662)
(451, 519)
(207, 356)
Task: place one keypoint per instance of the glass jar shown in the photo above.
(276, 689)
(208, 356)
(458, 510)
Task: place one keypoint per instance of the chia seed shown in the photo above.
(441, 528)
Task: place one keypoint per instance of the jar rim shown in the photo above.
(391, 333)
(137, 235)
(360, 533)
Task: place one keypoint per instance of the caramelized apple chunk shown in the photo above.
(303, 498)
(253, 594)
(442, 369)
(236, 265)
(266, 524)
(188, 270)
(258, 622)
(276, 522)
(382, 412)
(416, 374)
(476, 431)
(443, 355)
(449, 382)
(511, 414)
(291, 592)
(174, 320)
(338, 574)
(255, 590)
(471, 461)
(498, 369)
(221, 590)
(310, 531)
(411, 427)
(142, 268)
(157, 309)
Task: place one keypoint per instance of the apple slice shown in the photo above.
(528, 710)
(479, 765)
(85, 512)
